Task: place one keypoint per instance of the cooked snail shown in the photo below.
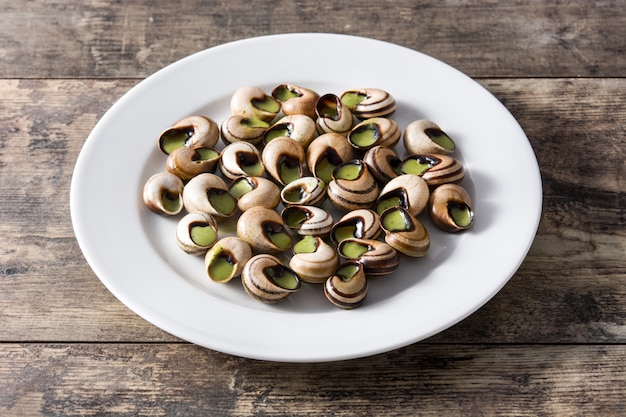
(208, 193)
(264, 230)
(426, 137)
(226, 259)
(377, 131)
(308, 220)
(241, 158)
(162, 193)
(186, 163)
(369, 102)
(238, 128)
(326, 152)
(383, 162)
(254, 192)
(377, 257)
(196, 232)
(361, 224)
(313, 260)
(283, 158)
(450, 208)
(332, 115)
(434, 169)
(192, 132)
(404, 232)
(308, 191)
(266, 279)
(298, 127)
(253, 103)
(296, 100)
(408, 191)
(353, 186)
(347, 287)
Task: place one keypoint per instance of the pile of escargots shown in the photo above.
(286, 161)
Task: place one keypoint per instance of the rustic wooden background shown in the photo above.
(551, 343)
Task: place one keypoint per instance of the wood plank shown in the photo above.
(483, 39)
(424, 380)
(46, 285)
(569, 289)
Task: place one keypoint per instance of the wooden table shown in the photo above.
(551, 343)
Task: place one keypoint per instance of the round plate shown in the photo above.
(134, 253)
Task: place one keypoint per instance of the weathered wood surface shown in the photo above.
(422, 380)
(551, 343)
(484, 39)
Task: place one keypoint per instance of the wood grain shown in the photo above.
(422, 380)
(569, 289)
(45, 284)
(104, 39)
(551, 343)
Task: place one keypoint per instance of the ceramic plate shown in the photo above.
(134, 253)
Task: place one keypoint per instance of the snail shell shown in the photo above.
(208, 193)
(266, 279)
(353, 187)
(252, 102)
(434, 169)
(308, 191)
(326, 152)
(241, 158)
(296, 100)
(192, 132)
(375, 131)
(426, 137)
(283, 158)
(450, 208)
(186, 163)
(347, 287)
(308, 220)
(196, 233)
(263, 229)
(332, 115)
(254, 192)
(369, 102)
(162, 193)
(377, 257)
(314, 260)
(408, 191)
(298, 127)
(226, 259)
(404, 232)
(383, 162)
(238, 128)
(361, 224)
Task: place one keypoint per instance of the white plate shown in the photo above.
(134, 254)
